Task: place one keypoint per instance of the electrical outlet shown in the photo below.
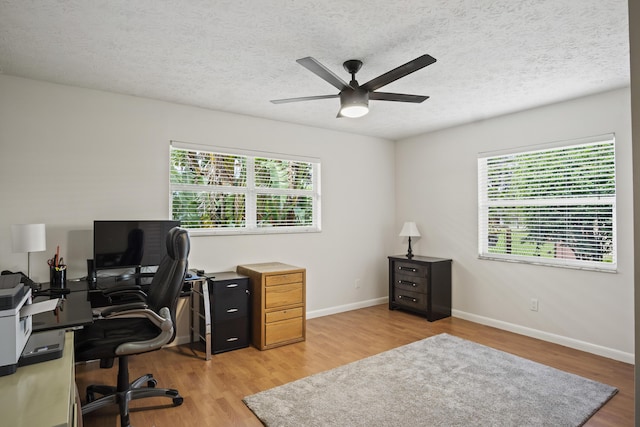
(357, 284)
(533, 304)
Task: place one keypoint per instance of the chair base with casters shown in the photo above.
(124, 392)
(111, 337)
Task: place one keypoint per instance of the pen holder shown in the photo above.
(57, 277)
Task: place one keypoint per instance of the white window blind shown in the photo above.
(216, 191)
(551, 205)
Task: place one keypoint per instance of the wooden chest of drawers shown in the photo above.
(421, 285)
(278, 303)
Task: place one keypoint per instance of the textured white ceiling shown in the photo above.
(494, 56)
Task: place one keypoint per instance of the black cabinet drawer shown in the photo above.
(411, 269)
(229, 298)
(233, 305)
(410, 283)
(411, 299)
(230, 335)
(219, 288)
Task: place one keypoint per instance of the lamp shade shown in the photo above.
(409, 229)
(28, 238)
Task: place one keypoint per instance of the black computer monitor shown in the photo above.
(130, 243)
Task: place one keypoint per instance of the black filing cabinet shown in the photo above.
(229, 295)
(421, 285)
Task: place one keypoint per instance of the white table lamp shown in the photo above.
(28, 238)
(409, 229)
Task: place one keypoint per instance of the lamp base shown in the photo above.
(409, 252)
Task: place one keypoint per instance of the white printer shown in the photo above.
(16, 311)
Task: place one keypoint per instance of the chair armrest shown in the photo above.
(121, 288)
(125, 291)
(161, 320)
(113, 309)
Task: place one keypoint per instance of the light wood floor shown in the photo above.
(213, 390)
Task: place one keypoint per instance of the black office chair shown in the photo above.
(136, 328)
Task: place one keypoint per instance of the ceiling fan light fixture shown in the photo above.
(354, 98)
(354, 103)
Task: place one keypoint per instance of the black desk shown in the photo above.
(75, 310)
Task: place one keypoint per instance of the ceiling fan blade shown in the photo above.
(304, 98)
(323, 72)
(401, 71)
(400, 97)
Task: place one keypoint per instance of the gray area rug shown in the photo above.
(439, 381)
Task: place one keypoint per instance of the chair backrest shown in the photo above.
(168, 280)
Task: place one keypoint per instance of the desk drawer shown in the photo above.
(230, 305)
(225, 287)
(230, 335)
(277, 316)
(281, 279)
(283, 295)
(286, 330)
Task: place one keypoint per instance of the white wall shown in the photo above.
(436, 186)
(71, 155)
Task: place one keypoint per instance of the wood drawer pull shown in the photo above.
(409, 298)
(413, 270)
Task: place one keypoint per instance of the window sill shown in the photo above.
(548, 262)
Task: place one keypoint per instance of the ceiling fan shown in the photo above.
(354, 98)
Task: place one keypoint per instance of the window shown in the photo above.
(553, 205)
(217, 190)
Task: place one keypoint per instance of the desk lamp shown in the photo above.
(409, 229)
(28, 238)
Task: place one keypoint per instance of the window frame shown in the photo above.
(484, 204)
(251, 191)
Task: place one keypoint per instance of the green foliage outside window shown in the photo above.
(212, 190)
(193, 205)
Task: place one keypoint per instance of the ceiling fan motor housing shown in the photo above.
(357, 96)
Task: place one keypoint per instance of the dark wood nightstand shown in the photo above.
(421, 285)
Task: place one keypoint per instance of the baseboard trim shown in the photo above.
(179, 340)
(346, 307)
(546, 336)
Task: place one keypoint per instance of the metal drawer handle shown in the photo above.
(405, 282)
(232, 285)
(413, 270)
(232, 339)
(409, 298)
(232, 310)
